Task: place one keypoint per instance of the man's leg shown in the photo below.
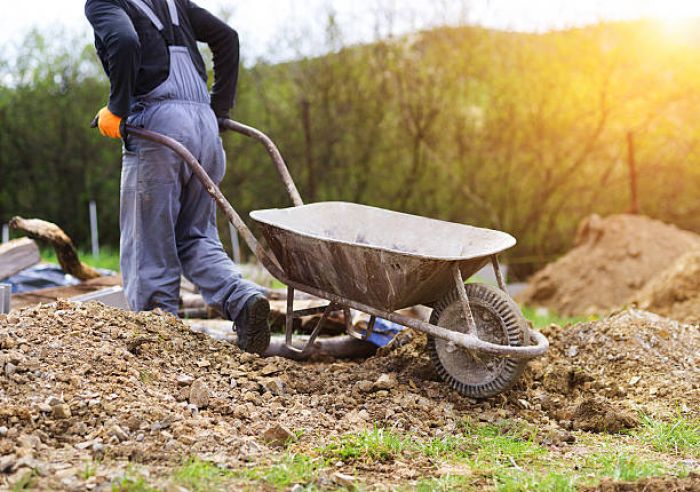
(149, 206)
(203, 258)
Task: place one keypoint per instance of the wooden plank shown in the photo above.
(17, 255)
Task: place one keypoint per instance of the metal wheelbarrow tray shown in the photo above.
(379, 261)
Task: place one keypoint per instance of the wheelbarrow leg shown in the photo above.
(289, 322)
(471, 325)
(497, 271)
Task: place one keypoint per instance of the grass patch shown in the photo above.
(542, 317)
(202, 476)
(626, 468)
(377, 444)
(108, 258)
(131, 482)
(678, 436)
(290, 470)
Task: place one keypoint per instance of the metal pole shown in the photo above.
(5, 233)
(93, 230)
(5, 298)
(235, 246)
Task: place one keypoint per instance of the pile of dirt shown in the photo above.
(79, 382)
(611, 260)
(676, 292)
(635, 358)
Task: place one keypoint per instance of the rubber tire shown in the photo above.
(516, 330)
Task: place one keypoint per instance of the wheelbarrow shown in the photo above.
(378, 262)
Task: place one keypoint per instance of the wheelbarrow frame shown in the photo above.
(468, 340)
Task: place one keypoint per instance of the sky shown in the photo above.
(268, 27)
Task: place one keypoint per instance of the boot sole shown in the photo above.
(259, 327)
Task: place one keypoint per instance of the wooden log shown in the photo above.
(65, 251)
(17, 255)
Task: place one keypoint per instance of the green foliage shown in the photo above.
(525, 133)
(290, 469)
(108, 258)
(622, 467)
(680, 435)
(202, 476)
(541, 317)
(376, 444)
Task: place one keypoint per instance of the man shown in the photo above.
(148, 49)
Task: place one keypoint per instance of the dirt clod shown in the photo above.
(611, 260)
(598, 415)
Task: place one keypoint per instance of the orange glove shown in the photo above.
(109, 123)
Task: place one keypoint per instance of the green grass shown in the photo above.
(108, 258)
(626, 468)
(376, 444)
(678, 436)
(542, 317)
(290, 469)
(131, 481)
(202, 476)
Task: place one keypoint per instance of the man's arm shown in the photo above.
(122, 51)
(223, 42)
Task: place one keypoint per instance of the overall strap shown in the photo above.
(146, 10)
(155, 20)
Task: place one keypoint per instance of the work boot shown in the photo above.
(252, 325)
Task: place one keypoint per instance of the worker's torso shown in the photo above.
(156, 44)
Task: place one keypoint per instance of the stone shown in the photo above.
(52, 401)
(347, 481)
(278, 435)
(7, 463)
(275, 386)
(184, 380)
(270, 369)
(61, 411)
(364, 386)
(3, 431)
(199, 394)
(118, 432)
(385, 382)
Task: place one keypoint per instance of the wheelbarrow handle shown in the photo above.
(274, 155)
(267, 260)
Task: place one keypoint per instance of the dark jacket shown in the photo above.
(135, 55)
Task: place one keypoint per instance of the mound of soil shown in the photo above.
(634, 357)
(676, 292)
(611, 260)
(84, 382)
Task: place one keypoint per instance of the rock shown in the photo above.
(61, 411)
(118, 432)
(7, 463)
(10, 369)
(199, 394)
(184, 380)
(270, 369)
(3, 431)
(343, 480)
(52, 401)
(44, 408)
(385, 382)
(278, 435)
(364, 386)
(275, 386)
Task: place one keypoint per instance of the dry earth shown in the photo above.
(675, 293)
(612, 258)
(80, 383)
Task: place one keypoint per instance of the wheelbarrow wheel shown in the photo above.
(498, 320)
